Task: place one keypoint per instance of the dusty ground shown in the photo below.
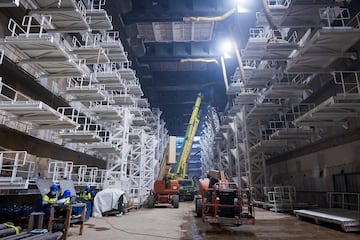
(168, 223)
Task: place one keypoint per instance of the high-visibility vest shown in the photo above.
(49, 199)
(85, 195)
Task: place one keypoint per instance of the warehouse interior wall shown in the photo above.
(316, 173)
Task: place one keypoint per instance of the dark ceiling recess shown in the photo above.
(158, 41)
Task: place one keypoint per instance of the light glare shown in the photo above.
(226, 46)
(243, 6)
(241, 9)
(227, 55)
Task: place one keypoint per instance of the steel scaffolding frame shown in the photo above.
(90, 50)
(337, 109)
(263, 44)
(320, 48)
(67, 15)
(110, 41)
(24, 109)
(84, 90)
(295, 13)
(141, 165)
(48, 54)
(16, 170)
(99, 81)
(118, 142)
(88, 130)
(99, 19)
(207, 140)
(108, 75)
(267, 115)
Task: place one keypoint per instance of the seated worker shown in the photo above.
(66, 197)
(48, 199)
(64, 200)
(51, 197)
(86, 194)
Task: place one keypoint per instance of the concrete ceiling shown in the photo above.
(157, 40)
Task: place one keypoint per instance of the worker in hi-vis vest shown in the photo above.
(67, 196)
(51, 197)
(86, 194)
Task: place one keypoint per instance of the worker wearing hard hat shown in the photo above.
(51, 197)
(86, 194)
(66, 197)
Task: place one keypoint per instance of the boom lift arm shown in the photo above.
(180, 170)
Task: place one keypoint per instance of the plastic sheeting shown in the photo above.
(107, 200)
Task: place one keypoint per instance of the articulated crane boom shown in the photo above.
(187, 189)
(169, 189)
(181, 168)
(188, 140)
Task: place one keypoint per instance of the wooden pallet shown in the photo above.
(130, 208)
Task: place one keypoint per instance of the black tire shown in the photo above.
(151, 201)
(175, 201)
(198, 207)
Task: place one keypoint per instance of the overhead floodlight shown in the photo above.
(242, 6)
(226, 46)
(241, 9)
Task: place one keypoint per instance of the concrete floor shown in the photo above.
(168, 223)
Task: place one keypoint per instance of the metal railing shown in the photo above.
(279, 3)
(8, 93)
(349, 81)
(355, 21)
(293, 37)
(257, 33)
(15, 170)
(29, 23)
(343, 200)
(334, 15)
(81, 8)
(1, 56)
(85, 83)
(60, 170)
(112, 37)
(300, 109)
(283, 198)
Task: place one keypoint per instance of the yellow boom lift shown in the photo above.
(168, 188)
(187, 186)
